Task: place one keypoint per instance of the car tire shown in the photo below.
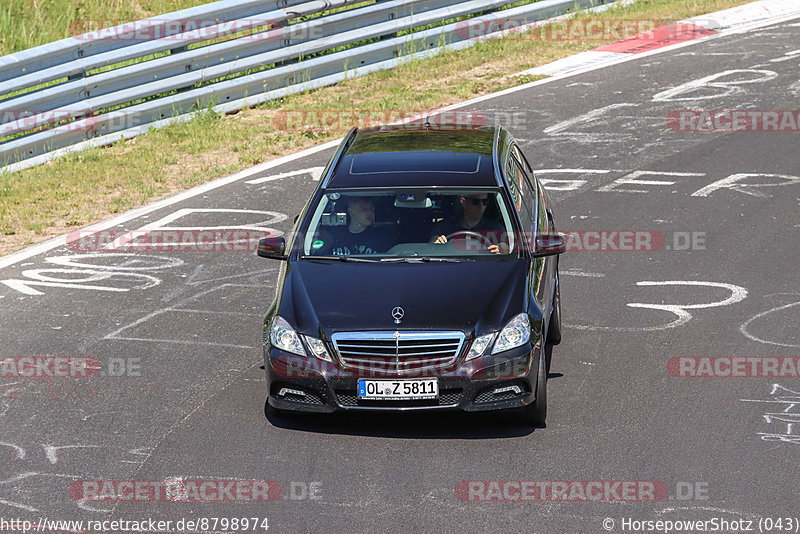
(535, 413)
(554, 326)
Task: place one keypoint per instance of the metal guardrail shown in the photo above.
(74, 93)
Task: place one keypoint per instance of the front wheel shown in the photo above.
(554, 326)
(536, 412)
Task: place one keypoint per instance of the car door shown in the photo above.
(524, 200)
(544, 269)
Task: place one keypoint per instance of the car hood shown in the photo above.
(470, 295)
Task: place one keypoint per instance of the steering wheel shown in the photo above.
(468, 233)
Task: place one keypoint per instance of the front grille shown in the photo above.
(397, 351)
(447, 397)
(309, 398)
(347, 398)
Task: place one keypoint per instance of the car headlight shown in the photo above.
(516, 333)
(285, 338)
(318, 348)
(479, 346)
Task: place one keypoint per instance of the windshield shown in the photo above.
(405, 223)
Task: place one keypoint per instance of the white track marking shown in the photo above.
(673, 509)
(51, 451)
(572, 171)
(16, 478)
(127, 239)
(37, 278)
(18, 505)
(137, 262)
(576, 272)
(558, 184)
(735, 183)
(591, 116)
(788, 399)
(94, 273)
(81, 503)
(723, 88)
(744, 328)
(561, 185)
(24, 286)
(738, 293)
(179, 308)
(19, 451)
(315, 172)
(633, 178)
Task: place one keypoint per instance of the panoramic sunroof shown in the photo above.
(415, 161)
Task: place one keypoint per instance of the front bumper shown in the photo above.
(307, 384)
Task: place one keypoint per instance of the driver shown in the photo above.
(360, 236)
(473, 208)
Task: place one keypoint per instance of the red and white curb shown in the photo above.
(728, 21)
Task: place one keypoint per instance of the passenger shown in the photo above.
(471, 219)
(359, 236)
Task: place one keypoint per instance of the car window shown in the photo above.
(403, 222)
(545, 225)
(522, 194)
(539, 207)
(524, 165)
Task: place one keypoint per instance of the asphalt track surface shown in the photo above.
(188, 325)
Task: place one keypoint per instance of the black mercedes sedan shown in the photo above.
(421, 275)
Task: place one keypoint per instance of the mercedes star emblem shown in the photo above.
(398, 314)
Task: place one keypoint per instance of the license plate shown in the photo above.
(425, 388)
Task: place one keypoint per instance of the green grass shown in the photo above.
(67, 21)
(83, 187)
(28, 23)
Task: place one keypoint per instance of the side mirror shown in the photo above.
(549, 245)
(272, 247)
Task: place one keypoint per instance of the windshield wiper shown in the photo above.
(418, 259)
(338, 258)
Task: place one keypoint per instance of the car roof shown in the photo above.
(416, 156)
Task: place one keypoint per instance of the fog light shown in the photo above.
(505, 389)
